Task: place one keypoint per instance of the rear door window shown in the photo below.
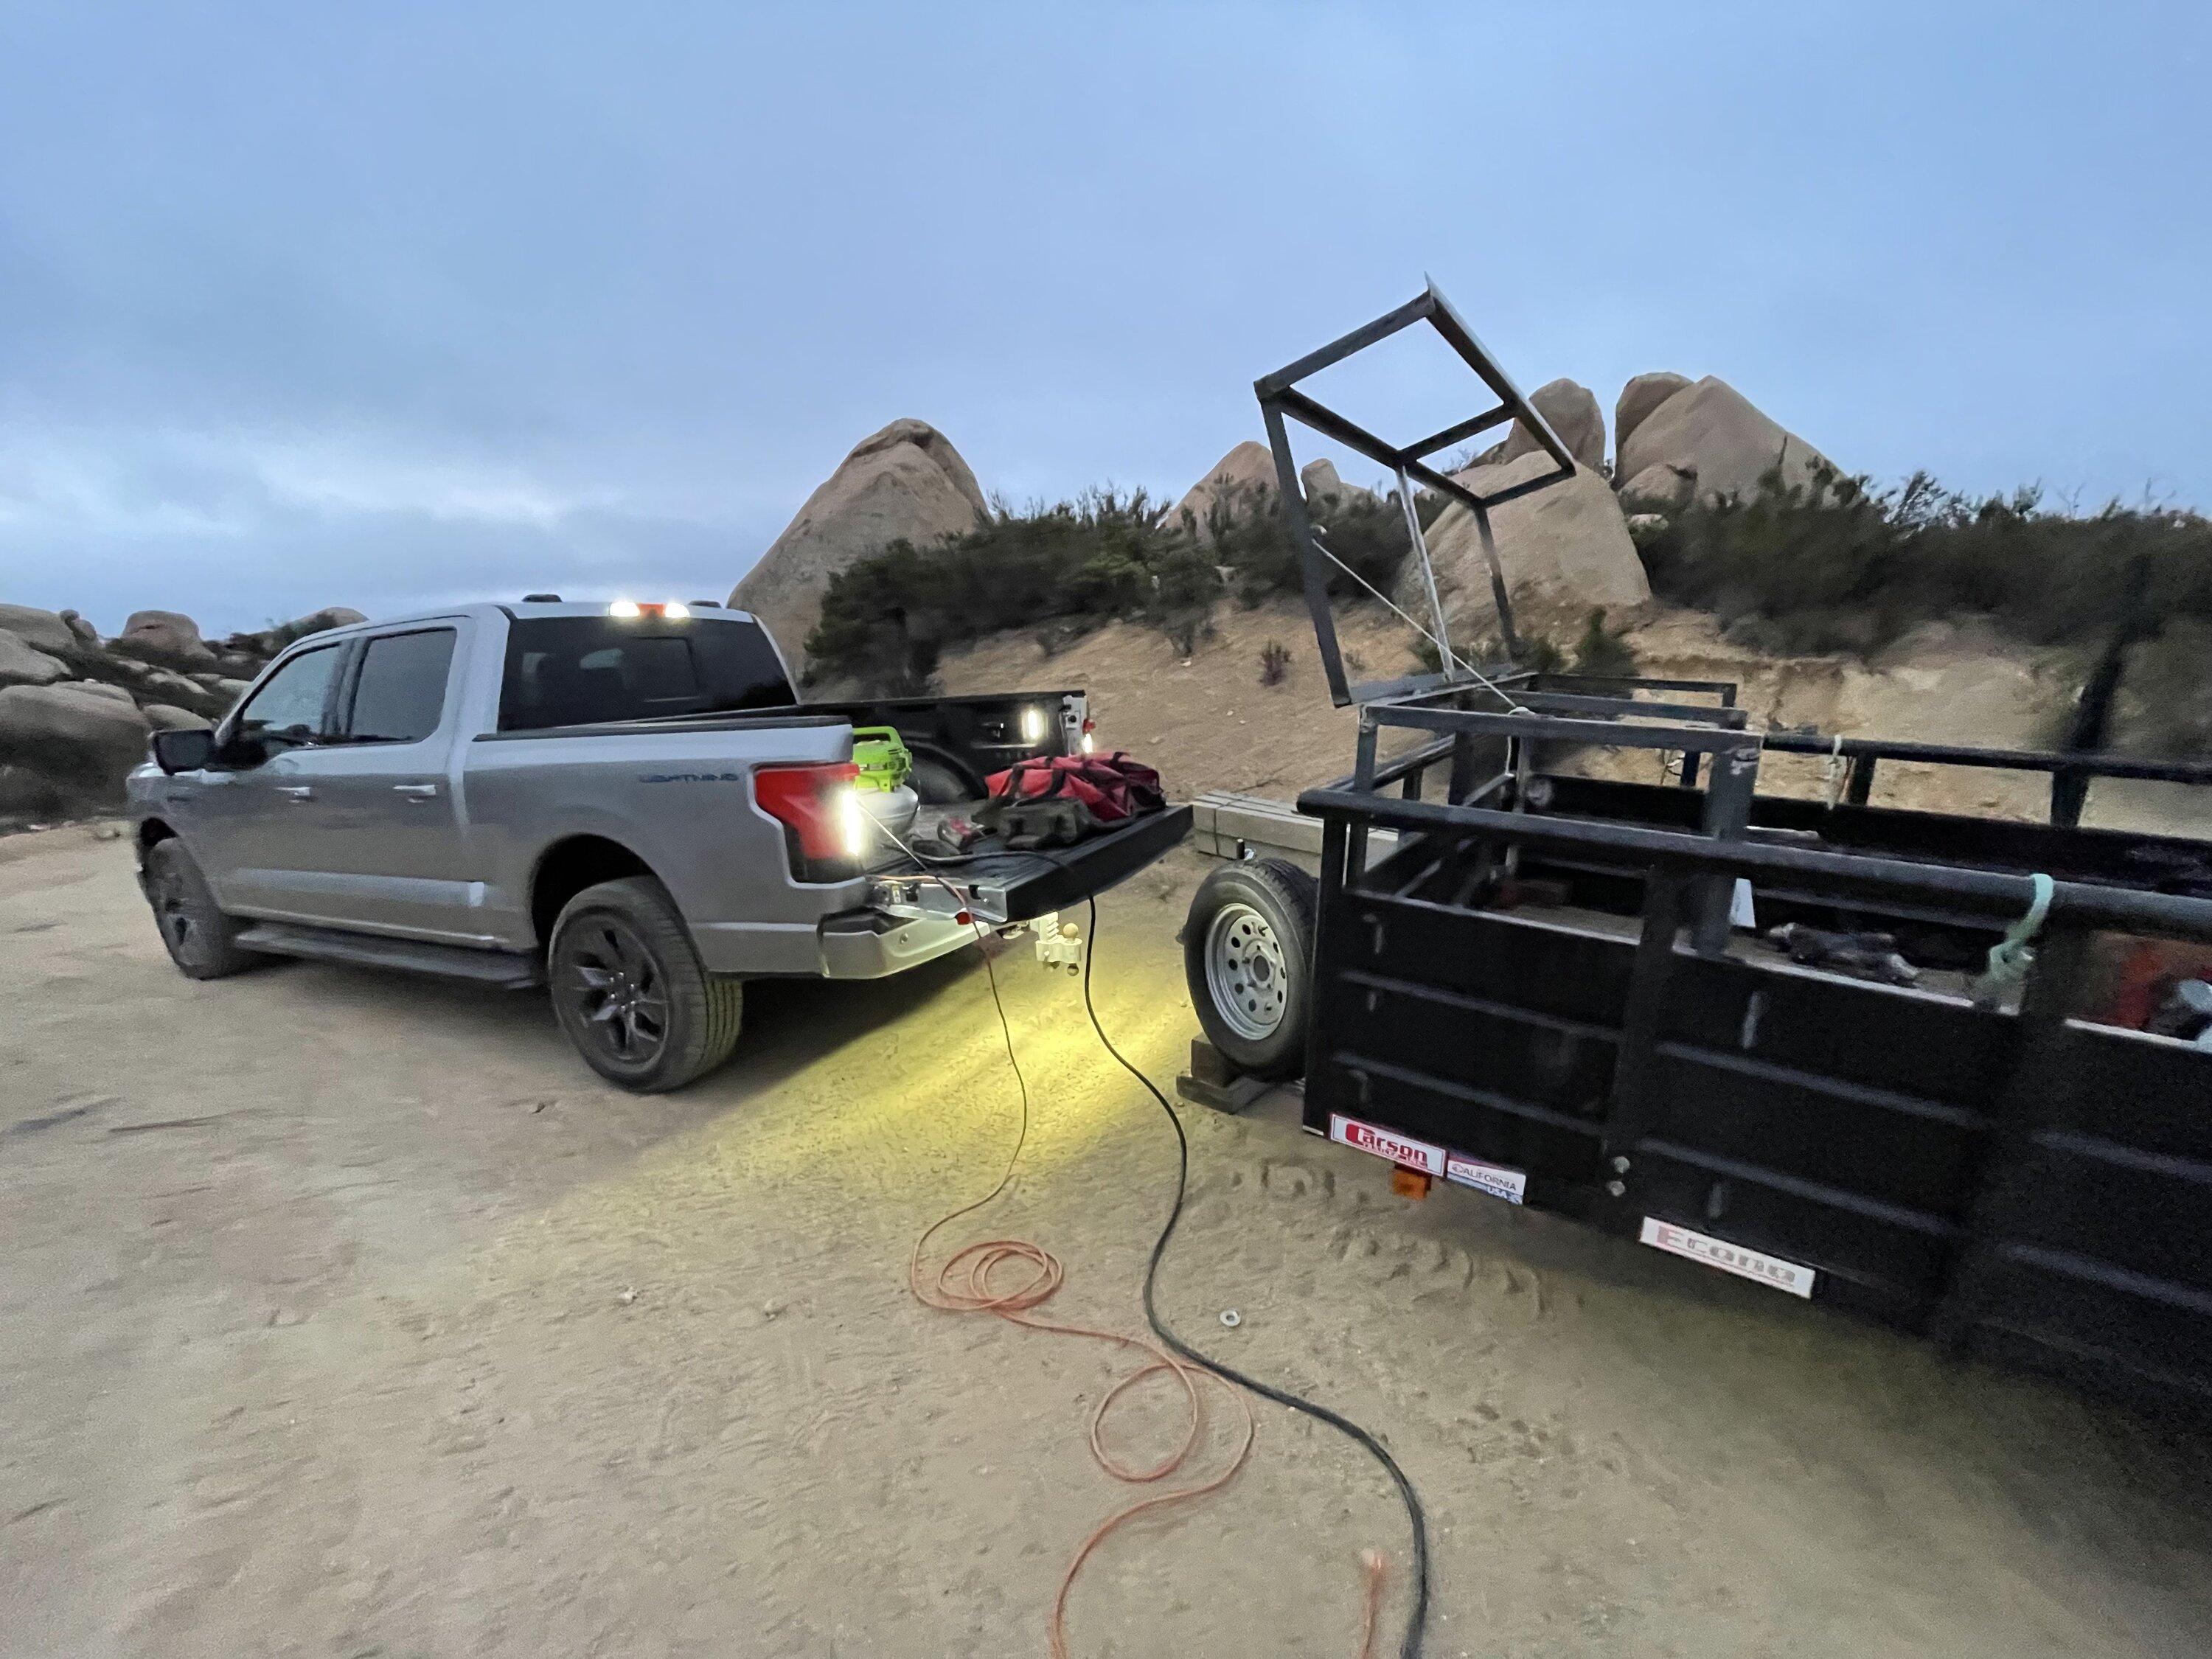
(399, 691)
(293, 703)
(573, 671)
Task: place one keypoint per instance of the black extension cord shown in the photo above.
(1416, 1516)
(1417, 1623)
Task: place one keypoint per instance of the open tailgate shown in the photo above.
(1000, 886)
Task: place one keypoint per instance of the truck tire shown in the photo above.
(202, 941)
(1247, 956)
(630, 991)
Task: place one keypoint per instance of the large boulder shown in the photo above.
(164, 636)
(1319, 481)
(1713, 432)
(1243, 481)
(1659, 488)
(1637, 399)
(64, 733)
(907, 482)
(1570, 409)
(42, 630)
(20, 664)
(1564, 550)
(87, 636)
(99, 689)
(168, 717)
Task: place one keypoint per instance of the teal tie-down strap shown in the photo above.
(2011, 957)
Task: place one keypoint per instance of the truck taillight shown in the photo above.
(819, 804)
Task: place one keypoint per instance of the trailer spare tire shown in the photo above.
(1247, 956)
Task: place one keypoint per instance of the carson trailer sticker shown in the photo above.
(1492, 1178)
(1496, 1179)
(1729, 1258)
(1385, 1143)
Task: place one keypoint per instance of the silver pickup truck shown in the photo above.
(627, 803)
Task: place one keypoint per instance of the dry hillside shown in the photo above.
(1208, 723)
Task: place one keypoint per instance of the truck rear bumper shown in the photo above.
(868, 944)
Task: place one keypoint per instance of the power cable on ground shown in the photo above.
(964, 1283)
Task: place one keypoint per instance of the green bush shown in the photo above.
(886, 619)
(1054, 570)
(1836, 565)
(1249, 538)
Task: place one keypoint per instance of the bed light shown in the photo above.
(625, 609)
(676, 611)
(1032, 724)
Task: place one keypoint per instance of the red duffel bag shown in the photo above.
(1057, 800)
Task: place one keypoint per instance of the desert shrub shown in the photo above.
(1249, 540)
(1837, 565)
(1274, 663)
(886, 619)
(2165, 702)
(1603, 651)
(1055, 571)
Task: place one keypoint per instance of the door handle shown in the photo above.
(297, 791)
(415, 791)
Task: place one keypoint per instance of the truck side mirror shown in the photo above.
(184, 752)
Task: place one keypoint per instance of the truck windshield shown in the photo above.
(572, 671)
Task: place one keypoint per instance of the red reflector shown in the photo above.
(804, 797)
(964, 919)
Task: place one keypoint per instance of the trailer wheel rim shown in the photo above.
(611, 984)
(1245, 975)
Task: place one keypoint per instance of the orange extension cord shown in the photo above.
(964, 1284)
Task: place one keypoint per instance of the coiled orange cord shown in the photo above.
(964, 1284)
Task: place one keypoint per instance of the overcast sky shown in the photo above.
(303, 305)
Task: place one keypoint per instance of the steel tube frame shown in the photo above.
(1282, 401)
(1992, 892)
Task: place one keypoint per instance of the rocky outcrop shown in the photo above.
(242, 650)
(163, 636)
(1322, 486)
(1564, 550)
(1637, 399)
(42, 630)
(1238, 483)
(71, 736)
(1659, 488)
(24, 665)
(1712, 433)
(904, 482)
(1570, 410)
(64, 751)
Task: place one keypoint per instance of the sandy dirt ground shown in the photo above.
(346, 1315)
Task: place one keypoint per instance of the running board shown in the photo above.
(505, 968)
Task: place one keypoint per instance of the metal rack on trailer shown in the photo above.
(1546, 990)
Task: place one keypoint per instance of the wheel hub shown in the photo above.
(611, 986)
(1245, 973)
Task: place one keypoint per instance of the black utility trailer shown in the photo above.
(1560, 988)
